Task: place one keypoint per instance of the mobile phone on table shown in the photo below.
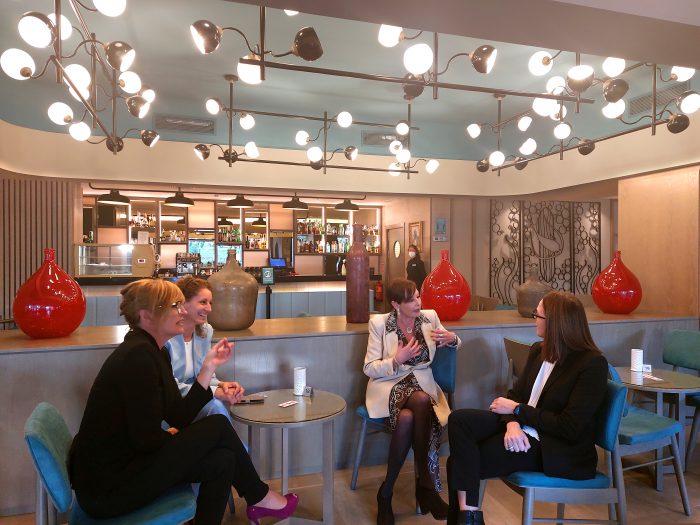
(251, 399)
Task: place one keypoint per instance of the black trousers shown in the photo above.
(477, 452)
(208, 452)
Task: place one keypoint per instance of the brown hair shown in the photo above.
(152, 295)
(191, 286)
(400, 290)
(566, 327)
(415, 248)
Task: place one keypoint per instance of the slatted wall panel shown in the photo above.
(35, 213)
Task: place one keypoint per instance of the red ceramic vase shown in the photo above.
(50, 303)
(616, 290)
(446, 291)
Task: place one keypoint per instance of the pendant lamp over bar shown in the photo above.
(114, 198)
(259, 222)
(347, 205)
(179, 200)
(240, 202)
(295, 204)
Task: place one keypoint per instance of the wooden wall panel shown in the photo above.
(35, 213)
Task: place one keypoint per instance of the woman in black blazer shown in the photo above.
(547, 421)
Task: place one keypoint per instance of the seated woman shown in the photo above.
(547, 422)
(188, 350)
(400, 348)
(121, 459)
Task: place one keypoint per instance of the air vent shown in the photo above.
(184, 124)
(374, 138)
(643, 103)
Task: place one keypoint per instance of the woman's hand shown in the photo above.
(503, 405)
(444, 337)
(229, 391)
(515, 440)
(220, 353)
(404, 353)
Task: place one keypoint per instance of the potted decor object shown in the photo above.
(234, 296)
(357, 279)
(616, 290)
(446, 291)
(50, 303)
(530, 293)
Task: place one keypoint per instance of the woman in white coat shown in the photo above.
(400, 348)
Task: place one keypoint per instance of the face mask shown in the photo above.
(411, 254)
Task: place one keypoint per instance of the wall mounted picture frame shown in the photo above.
(415, 234)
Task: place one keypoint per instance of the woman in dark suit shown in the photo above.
(415, 268)
(547, 421)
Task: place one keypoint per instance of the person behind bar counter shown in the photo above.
(415, 268)
(122, 459)
(547, 421)
(189, 349)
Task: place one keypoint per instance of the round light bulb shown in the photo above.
(148, 93)
(540, 63)
(247, 121)
(394, 169)
(689, 103)
(17, 64)
(60, 113)
(556, 85)
(213, 106)
(418, 58)
(497, 158)
(344, 119)
(474, 130)
(395, 146)
(613, 67)
(528, 147)
(562, 130)
(78, 75)
(559, 113)
(132, 82)
(682, 73)
(403, 156)
(251, 150)
(580, 72)
(432, 165)
(314, 154)
(289, 12)
(35, 31)
(524, 122)
(110, 7)
(544, 106)
(79, 131)
(614, 109)
(301, 138)
(402, 128)
(249, 73)
(66, 26)
(389, 36)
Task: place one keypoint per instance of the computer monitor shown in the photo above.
(278, 263)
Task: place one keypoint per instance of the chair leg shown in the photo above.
(41, 501)
(560, 512)
(528, 506)
(693, 437)
(612, 512)
(358, 455)
(679, 476)
(619, 483)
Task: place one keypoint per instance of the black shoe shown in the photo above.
(470, 517)
(385, 514)
(430, 501)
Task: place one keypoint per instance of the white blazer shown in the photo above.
(379, 367)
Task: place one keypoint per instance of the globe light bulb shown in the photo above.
(562, 130)
(130, 82)
(689, 102)
(247, 121)
(301, 138)
(682, 73)
(544, 106)
(66, 26)
(110, 7)
(540, 63)
(556, 85)
(524, 122)
(474, 130)
(432, 165)
(418, 58)
(395, 146)
(17, 64)
(78, 75)
(614, 109)
(148, 93)
(402, 128)
(497, 158)
(249, 73)
(344, 119)
(613, 67)
(213, 106)
(35, 30)
(403, 156)
(79, 131)
(251, 150)
(389, 36)
(394, 169)
(528, 147)
(314, 154)
(60, 113)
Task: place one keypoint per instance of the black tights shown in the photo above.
(413, 427)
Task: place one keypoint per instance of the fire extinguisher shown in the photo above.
(378, 291)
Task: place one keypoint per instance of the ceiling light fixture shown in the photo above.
(520, 163)
(483, 58)
(614, 109)
(580, 78)
(295, 204)
(482, 165)
(585, 146)
(179, 200)
(113, 198)
(681, 74)
(688, 102)
(540, 63)
(240, 202)
(389, 36)
(474, 130)
(247, 121)
(347, 205)
(614, 89)
(418, 58)
(259, 222)
(678, 123)
(351, 152)
(402, 128)
(614, 67)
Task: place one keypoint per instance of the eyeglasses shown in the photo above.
(178, 305)
(535, 315)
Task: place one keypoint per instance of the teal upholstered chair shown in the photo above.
(49, 440)
(603, 489)
(643, 431)
(682, 350)
(444, 367)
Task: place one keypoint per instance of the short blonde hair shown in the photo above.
(152, 295)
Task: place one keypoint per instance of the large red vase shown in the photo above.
(50, 303)
(616, 290)
(446, 291)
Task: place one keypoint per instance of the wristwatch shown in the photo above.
(516, 410)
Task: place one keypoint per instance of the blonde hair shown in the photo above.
(152, 295)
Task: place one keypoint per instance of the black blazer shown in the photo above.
(565, 415)
(415, 271)
(121, 428)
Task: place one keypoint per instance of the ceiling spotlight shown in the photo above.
(213, 106)
(520, 163)
(483, 58)
(614, 89)
(247, 121)
(556, 85)
(119, 55)
(351, 152)
(474, 130)
(402, 128)
(301, 138)
(17, 64)
(681, 74)
(149, 137)
(688, 102)
(36, 29)
(497, 158)
(314, 154)
(613, 66)
(251, 150)
(524, 122)
(540, 63)
(110, 7)
(528, 147)
(418, 58)
(249, 73)
(614, 109)
(432, 165)
(394, 169)
(678, 123)
(66, 26)
(411, 91)
(395, 146)
(316, 165)
(580, 78)
(295, 204)
(259, 222)
(60, 113)
(79, 131)
(347, 205)
(202, 151)
(389, 36)
(289, 12)
(179, 200)
(344, 119)
(148, 93)
(114, 148)
(562, 130)
(585, 146)
(240, 202)
(114, 198)
(545, 106)
(206, 36)
(138, 106)
(307, 44)
(128, 81)
(404, 156)
(482, 165)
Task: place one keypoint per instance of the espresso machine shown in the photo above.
(187, 264)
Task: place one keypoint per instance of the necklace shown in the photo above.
(409, 327)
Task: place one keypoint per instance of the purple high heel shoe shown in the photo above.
(255, 513)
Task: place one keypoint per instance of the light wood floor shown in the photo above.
(501, 505)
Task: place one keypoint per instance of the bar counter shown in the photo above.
(61, 371)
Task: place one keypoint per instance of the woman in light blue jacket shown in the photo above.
(187, 351)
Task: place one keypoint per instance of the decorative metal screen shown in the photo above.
(561, 238)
